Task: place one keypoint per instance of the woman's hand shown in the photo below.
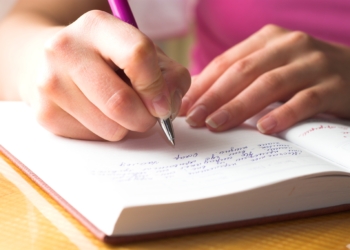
(80, 88)
(274, 64)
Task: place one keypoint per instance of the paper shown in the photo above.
(99, 179)
(326, 138)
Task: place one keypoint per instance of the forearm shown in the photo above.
(23, 33)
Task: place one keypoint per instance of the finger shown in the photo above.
(221, 63)
(270, 87)
(110, 94)
(60, 123)
(235, 79)
(99, 83)
(177, 79)
(303, 105)
(131, 51)
(69, 98)
(185, 105)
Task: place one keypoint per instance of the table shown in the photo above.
(30, 219)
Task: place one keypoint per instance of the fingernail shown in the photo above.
(161, 106)
(218, 119)
(266, 124)
(197, 116)
(176, 104)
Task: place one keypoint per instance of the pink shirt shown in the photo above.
(220, 24)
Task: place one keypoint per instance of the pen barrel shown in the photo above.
(122, 10)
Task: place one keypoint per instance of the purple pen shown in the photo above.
(122, 10)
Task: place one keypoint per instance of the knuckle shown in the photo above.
(58, 44)
(49, 84)
(311, 96)
(299, 37)
(339, 82)
(243, 66)
(214, 97)
(271, 29)
(142, 54)
(240, 107)
(118, 102)
(272, 81)
(46, 116)
(142, 49)
(266, 33)
(150, 88)
(319, 58)
(91, 18)
(220, 62)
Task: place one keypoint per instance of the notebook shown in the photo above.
(144, 188)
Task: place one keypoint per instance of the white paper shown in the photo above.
(328, 138)
(99, 179)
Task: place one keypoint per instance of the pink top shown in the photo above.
(222, 23)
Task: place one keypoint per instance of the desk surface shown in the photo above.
(30, 219)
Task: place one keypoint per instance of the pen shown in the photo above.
(122, 10)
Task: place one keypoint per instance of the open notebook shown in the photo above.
(142, 187)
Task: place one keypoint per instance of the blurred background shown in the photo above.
(167, 22)
(178, 48)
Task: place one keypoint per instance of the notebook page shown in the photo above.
(328, 138)
(99, 179)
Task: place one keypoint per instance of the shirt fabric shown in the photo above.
(220, 24)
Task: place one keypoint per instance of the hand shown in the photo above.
(274, 64)
(80, 91)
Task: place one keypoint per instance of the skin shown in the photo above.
(308, 75)
(65, 40)
(71, 63)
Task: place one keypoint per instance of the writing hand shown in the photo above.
(274, 64)
(78, 93)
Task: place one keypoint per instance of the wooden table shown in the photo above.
(30, 219)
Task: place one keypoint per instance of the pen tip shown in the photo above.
(168, 129)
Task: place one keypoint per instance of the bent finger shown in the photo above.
(221, 63)
(178, 81)
(273, 86)
(134, 53)
(60, 123)
(69, 98)
(235, 79)
(303, 105)
(110, 94)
